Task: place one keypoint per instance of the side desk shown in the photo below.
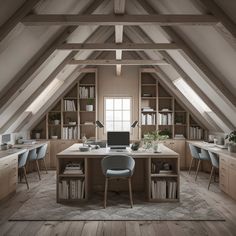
(227, 170)
(91, 180)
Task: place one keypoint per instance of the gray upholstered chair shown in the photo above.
(22, 160)
(41, 154)
(194, 153)
(203, 156)
(118, 166)
(215, 164)
(33, 157)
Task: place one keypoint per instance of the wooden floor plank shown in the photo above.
(222, 203)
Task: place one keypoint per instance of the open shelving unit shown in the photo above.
(170, 116)
(75, 120)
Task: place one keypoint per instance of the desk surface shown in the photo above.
(74, 151)
(211, 147)
(19, 148)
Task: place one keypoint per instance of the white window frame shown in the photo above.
(117, 97)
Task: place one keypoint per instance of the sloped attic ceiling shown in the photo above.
(214, 51)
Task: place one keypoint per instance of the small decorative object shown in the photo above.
(56, 118)
(232, 141)
(135, 146)
(72, 123)
(54, 137)
(84, 148)
(37, 135)
(20, 140)
(151, 139)
(89, 106)
(84, 140)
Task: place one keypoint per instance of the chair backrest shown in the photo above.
(32, 155)
(214, 159)
(41, 151)
(22, 159)
(118, 162)
(205, 154)
(194, 151)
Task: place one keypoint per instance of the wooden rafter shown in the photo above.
(194, 58)
(119, 19)
(120, 46)
(119, 9)
(17, 17)
(226, 26)
(118, 62)
(24, 77)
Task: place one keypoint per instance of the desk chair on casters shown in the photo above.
(118, 166)
(22, 160)
(41, 154)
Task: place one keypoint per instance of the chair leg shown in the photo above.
(212, 170)
(190, 167)
(45, 166)
(198, 165)
(24, 171)
(130, 193)
(105, 193)
(20, 174)
(37, 165)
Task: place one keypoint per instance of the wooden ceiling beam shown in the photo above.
(194, 59)
(119, 46)
(25, 76)
(226, 26)
(119, 9)
(118, 62)
(112, 20)
(6, 28)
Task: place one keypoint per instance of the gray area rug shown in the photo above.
(43, 207)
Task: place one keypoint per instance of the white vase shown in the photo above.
(89, 107)
(37, 135)
(56, 122)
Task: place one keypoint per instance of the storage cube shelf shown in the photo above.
(75, 120)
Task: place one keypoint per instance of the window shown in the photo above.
(117, 114)
(191, 95)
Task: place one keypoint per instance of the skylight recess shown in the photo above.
(191, 95)
(44, 96)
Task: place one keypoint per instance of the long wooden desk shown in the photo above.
(9, 167)
(145, 179)
(227, 170)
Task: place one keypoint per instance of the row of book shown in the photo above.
(70, 132)
(164, 189)
(87, 92)
(165, 119)
(69, 105)
(195, 132)
(71, 189)
(148, 119)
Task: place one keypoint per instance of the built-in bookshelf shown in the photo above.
(71, 117)
(71, 180)
(164, 179)
(160, 110)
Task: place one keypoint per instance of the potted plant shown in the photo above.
(89, 106)
(56, 118)
(232, 141)
(152, 139)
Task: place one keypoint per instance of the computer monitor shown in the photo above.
(118, 140)
(6, 138)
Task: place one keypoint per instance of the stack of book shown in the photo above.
(148, 119)
(87, 92)
(74, 168)
(70, 133)
(163, 189)
(147, 109)
(69, 105)
(195, 132)
(71, 189)
(165, 119)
